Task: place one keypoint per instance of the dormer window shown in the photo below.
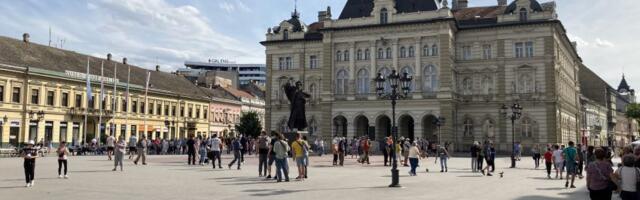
(285, 34)
(384, 16)
(523, 15)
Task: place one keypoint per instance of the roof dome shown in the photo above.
(535, 6)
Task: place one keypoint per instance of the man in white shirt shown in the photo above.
(110, 145)
(558, 160)
(216, 146)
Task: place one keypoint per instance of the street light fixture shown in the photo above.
(516, 113)
(405, 84)
(439, 121)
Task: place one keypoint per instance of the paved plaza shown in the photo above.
(168, 177)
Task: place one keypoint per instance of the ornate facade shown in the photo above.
(465, 61)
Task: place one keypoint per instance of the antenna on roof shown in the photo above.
(295, 9)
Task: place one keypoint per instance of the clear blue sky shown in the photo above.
(168, 32)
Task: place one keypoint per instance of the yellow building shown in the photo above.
(43, 97)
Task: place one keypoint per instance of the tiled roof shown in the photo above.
(237, 93)
(478, 15)
(21, 54)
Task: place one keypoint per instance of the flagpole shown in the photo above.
(97, 136)
(146, 90)
(114, 103)
(89, 96)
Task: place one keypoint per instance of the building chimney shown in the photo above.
(502, 2)
(460, 4)
(157, 68)
(25, 37)
(124, 61)
(324, 15)
(109, 57)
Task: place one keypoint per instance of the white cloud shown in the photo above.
(581, 42)
(243, 6)
(603, 43)
(227, 6)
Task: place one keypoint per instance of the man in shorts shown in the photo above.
(132, 146)
(558, 160)
(111, 141)
(570, 154)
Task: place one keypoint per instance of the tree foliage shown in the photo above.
(633, 111)
(249, 124)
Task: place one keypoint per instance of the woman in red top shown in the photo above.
(547, 161)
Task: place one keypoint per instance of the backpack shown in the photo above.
(262, 143)
(305, 149)
(236, 145)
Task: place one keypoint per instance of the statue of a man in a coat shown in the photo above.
(297, 98)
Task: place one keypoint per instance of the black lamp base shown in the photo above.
(395, 178)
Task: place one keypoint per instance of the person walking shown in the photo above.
(280, 148)
(384, 147)
(63, 153)
(216, 148)
(272, 154)
(120, 150)
(535, 151)
(628, 176)
(474, 156)
(202, 151)
(581, 156)
(366, 148)
(133, 140)
(236, 147)
(558, 161)
(548, 161)
(342, 149)
(300, 151)
(406, 145)
(334, 149)
(443, 154)
(481, 154)
(29, 154)
(263, 153)
(142, 150)
(244, 142)
(570, 154)
(487, 158)
(191, 150)
(599, 175)
(110, 145)
(414, 158)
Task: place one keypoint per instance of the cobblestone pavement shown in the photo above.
(168, 177)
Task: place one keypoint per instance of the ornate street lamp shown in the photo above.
(516, 112)
(395, 81)
(439, 121)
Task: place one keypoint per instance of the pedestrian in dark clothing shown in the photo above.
(29, 154)
(236, 147)
(191, 151)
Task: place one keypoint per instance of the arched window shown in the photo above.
(525, 83)
(468, 127)
(434, 50)
(367, 54)
(425, 50)
(384, 16)
(523, 15)
(285, 34)
(526, 127)
(409, 72)
(312, 90)
(339, 56)
(467, 86)
(488, 128)
(487, 84)
(430, 79)
(380, 53)
(412, 52)
(359, 55)
(388, 53)
(341, 82)
(363, 81)
(346, 55)
(385, 72)
(403, 52)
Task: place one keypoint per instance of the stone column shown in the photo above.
(394, 53)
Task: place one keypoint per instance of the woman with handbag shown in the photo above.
(600, 177)
(627, 175)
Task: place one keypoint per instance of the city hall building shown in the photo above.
(43, 97)
(466, 62)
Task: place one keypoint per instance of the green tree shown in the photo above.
(633, 111)
(249, 124)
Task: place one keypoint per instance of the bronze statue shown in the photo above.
(298, 99)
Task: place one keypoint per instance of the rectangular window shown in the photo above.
(91, 103)
(519, 49)
(197, 112)
(206, 110)
(529, 49)
(65, 99)
(486, 52)
(313, 62)
(151, 108)
(15, 98)
(78, 102)
(466, 52)
(190, 112)
(134, 106)
(281, 63)
(289, 64)
(142, 108)
(50, 97)
(124, 105)
(159, 109)
(182, 111)
(35, 96)
(1, 93)
(166, 110)
(173, 111)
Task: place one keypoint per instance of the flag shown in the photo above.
(89, 92)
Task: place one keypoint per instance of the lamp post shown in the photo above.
(394, 80)
(516, 112)
(439, 121)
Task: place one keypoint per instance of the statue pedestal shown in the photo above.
(291, 136)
